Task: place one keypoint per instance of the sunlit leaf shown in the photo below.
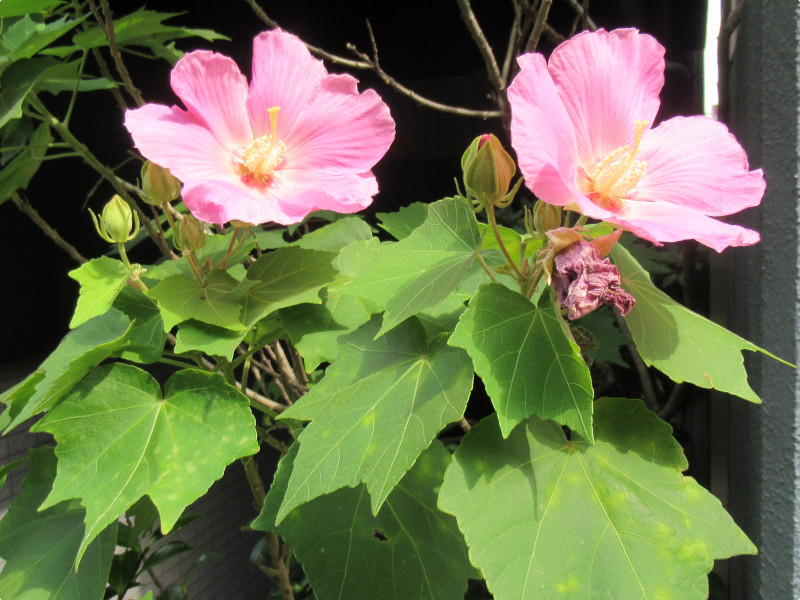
(119, 439)
(379, 405)
(548, 518)
(101, 279)
(526, 358)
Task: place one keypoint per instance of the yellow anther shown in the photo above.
(610, 181)
(257, 161)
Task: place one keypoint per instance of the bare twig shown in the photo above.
(673, 402)
(262, 400)
(729, 23)
(583, 12)
(26, 207)
(538, 26)
(106, 22)
(368, 63)
(482, 43)
(513, 43)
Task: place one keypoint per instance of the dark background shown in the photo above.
(423, 44)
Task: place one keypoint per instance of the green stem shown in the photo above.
(486, 267)
(493, 224)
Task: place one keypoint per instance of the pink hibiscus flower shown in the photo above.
(296, 140)
(581, 129)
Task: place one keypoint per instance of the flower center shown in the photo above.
(608, 183)
(257, 161)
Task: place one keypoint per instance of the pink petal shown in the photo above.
(541, 133)
(607, 80)
(340, 130)
(696, 162)
(292, 196)
(284, 75)
(212, 88)
(662, 222)
(174, 139)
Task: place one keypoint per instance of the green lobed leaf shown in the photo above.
(378, 406)
(526, 358)
(17, 174)
(401, 223)
(315, 329)
(547, 518)
(680, 343)
(286, 277)
(147, 336)
(40, 547)
(118, 440)
(408, 550)
(26, 36)
(211, 339)
(101, 280)
(16, 81)
(82, 348)
(217, 301)
(420, 271)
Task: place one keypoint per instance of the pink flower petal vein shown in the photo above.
(293, 141)
(582, 129)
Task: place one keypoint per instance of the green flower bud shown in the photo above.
(546, 217)
(189, 234)
(118, 223)
(159, 185)
(488, 170)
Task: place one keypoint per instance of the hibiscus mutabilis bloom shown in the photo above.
(295, 140)
(581, 126)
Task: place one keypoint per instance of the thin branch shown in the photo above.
(262, 400)
(513, 41)
(26, 207)
(583, 12)
(480, 40)
(644, 375)
(107, 25)
(367, 63)
(673, 402)
(538, 26)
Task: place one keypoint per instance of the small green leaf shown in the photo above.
(335, 236)
(420, 271)
(211, 339)
(546, 518)
(526, 359)
(679, 343)
(40, 546)
(147, 335)
(165, 552)
(400, 224)
(82, 348)
(286, 277)
(26, 37)
(17, 174)
(101, 279)
(218, 301)
(409, 550)
(378, 406)
(171, 449)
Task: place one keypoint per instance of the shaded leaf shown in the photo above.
(680, 343)
(526, 358)
(217, 301)
(101, 279)
(409, 550)
(147, 336)
(335, 236)
(286, 277)
(84, 347)
(210, 339)
(171, 449)
(546, 518)
(40, 547)
(17, 174)
(379, 405)
(165, 552)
